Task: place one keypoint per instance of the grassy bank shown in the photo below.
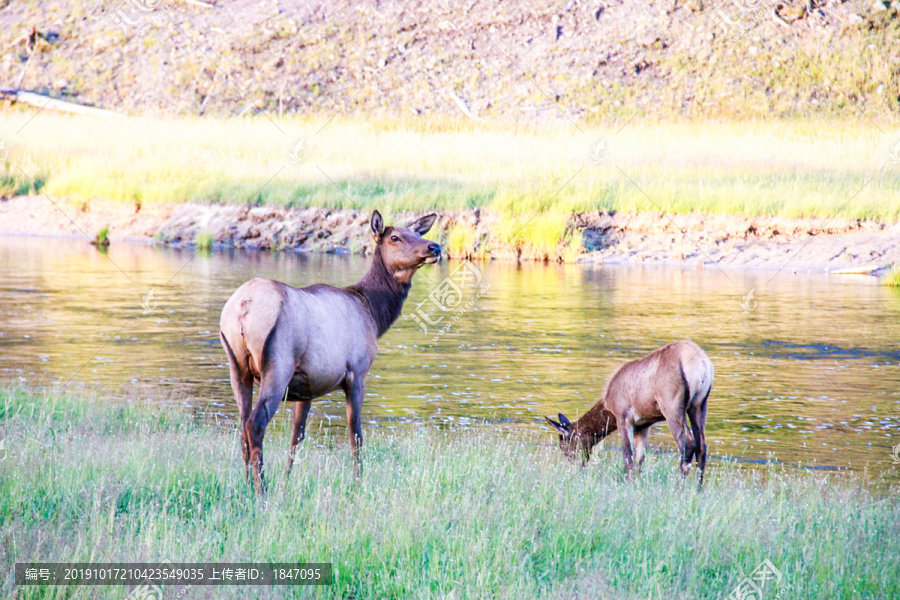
(437, 513)
(791, 169)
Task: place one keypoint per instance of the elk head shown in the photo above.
(403, 249)
(568, 439)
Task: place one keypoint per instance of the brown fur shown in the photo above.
(670, 384)
(300, 344)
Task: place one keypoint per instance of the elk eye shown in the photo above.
(394, 238)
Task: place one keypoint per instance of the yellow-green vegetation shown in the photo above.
(893, 277)
(204, 240)
(792, 169)
(538, 235)
(14, 183)
(786, 168)
(496, 515)
(101, 240)
(572, 246)
(461, 241)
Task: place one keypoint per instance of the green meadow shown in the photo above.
(496, 513)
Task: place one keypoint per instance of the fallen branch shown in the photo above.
(866, 270)
(462, 106)
(42, 101)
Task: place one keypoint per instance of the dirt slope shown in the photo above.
(566, 61)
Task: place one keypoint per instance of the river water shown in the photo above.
(807, 370)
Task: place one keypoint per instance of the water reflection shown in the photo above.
(809, 376)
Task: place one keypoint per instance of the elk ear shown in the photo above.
(560, 428)
(424, 224)
(377, 224)
(566, 422)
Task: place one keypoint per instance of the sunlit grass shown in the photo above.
(472, 513)
(536, 235)
(784, 168)
(204, 240)
(893, 277)
(461, 241)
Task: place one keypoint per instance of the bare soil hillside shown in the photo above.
(569, 61)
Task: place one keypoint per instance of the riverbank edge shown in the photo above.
(596, 237)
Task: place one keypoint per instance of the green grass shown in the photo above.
(101, 240)
(789, 168)
(14, 183)
(204, 240)
(531, 179)
(438, 513)
(893, 277)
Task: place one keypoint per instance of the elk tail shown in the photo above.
(231, 358)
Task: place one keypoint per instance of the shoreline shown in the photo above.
(695, 240)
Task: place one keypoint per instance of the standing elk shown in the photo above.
(302, 343)
(670, 384)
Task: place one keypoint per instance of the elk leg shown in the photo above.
(242, 386)
(245, 402)
(697, 416)
(271, 391)
(626, 426)
(640, 445)
(355, 389)
(245, 439)
(684, 441)
(298, 431)
(585, 454)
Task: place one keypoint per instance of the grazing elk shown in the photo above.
(300, 344)
(671, 384)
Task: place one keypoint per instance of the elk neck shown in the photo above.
(595, 425)
(383, 293)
